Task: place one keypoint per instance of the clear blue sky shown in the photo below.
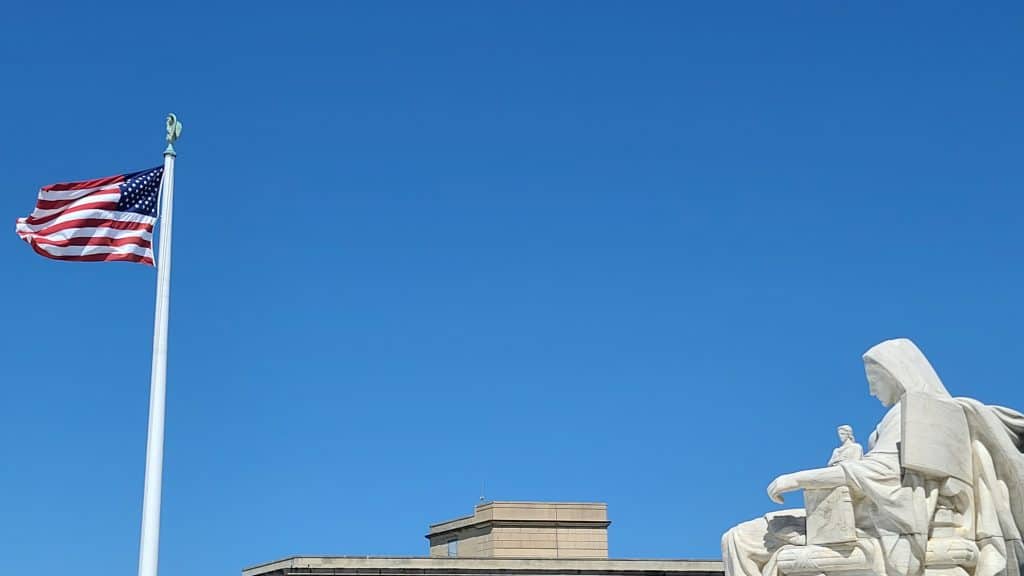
(617, 251)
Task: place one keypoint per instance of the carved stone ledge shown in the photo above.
(848, 559)
(950, 552)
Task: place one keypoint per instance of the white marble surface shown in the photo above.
(940, 491)
(830, 516)
(936, 439)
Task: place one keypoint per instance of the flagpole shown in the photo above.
(149, 545)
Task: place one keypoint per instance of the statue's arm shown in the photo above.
(835, 457)
(830, 477)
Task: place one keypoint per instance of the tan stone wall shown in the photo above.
(511, 542)
(538, 531)
(474, 542)
(543, 511)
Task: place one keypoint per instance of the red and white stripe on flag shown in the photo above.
(102, 220)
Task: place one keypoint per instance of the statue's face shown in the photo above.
(844, 435)
(882, 385)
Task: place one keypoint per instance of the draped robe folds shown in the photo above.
(893, 507)
(997, 441)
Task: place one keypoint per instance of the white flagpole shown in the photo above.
(149, 545)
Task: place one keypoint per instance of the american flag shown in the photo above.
(103, 220)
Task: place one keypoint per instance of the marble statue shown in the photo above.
(940, 491)
(848, 448)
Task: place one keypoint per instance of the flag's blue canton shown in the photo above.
(140, 191)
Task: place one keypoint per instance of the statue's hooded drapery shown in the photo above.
(895, 506)
(904, 362)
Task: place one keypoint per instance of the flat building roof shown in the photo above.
(420, 566)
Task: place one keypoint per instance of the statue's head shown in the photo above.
(898, 366)
(845, 433)
(882, 384)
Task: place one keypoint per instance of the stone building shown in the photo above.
(503, 538)
(525, 530)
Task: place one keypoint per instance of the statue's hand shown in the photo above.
(781, 485)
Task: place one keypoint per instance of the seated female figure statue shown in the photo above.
(974, 494)
(848, 448)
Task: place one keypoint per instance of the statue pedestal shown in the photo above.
(831, 539)
(844, 559)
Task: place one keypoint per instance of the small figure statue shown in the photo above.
(848, 449)
(173, 132)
